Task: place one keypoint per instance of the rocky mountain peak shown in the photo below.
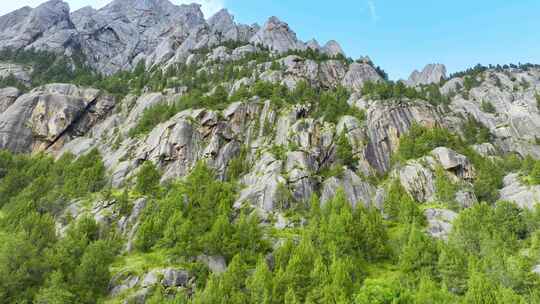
(333, 48)
(277, 36)
(432, 73)
(222, 21)
(313, 44)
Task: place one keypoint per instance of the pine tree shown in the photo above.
(481, 290)
(55, 291)
(148, 177)
(259, 284)
(419, 253)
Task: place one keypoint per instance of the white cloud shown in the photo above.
(373, 10)
(209, 7)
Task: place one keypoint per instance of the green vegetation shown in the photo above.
(50, 68)
(329, 105)
(487, 107)
(475, 133)
(489, 172)
(330, 253)
(339, 255)
(35, 264)
(398, 91)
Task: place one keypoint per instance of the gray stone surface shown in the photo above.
(523, 195)
(358, 74)
(440, 222)
(277, 36)
(8, 97)
(431, 74)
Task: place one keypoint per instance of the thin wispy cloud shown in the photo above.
(373, 10)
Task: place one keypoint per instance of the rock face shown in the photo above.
(356, 190)
(386, 123)
(51, 114)
(21, 73)
(358, 74)
(47, 27)
(332, 48)
(8, 97)
(126, 32)
(454, 162)
(277, 36)
(515, 122)
(431, 74)
(120, 34)
(418, 181)
(515, 191)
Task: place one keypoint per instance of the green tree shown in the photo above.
(419, 254)
(481, 290)
(147, 181)
(92, 275)
(55, 291)
(259, 284)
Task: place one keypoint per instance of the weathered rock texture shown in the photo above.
(431, 74)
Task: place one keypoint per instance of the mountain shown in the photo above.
(124, 32)
(148, 155)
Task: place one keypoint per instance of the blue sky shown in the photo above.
(400, 36)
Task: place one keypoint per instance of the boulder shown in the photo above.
(453, 85)
(466, 198)
(536, 270)
(454, 162)
(121, 283)
(418, 181)
(216, 264)
(440, 222)
(175, 278)
(50, 115)
(356, 190)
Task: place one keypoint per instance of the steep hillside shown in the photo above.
(148, 155)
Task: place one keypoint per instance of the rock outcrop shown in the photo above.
(515, 122)
(277, 36)
(358, 74)
(386, 123)
(517, 192)
(47, 27)
(42, 118)
(19, 72)
(332, 48)
(431, 74)
(8, 97)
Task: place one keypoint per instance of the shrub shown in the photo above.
(487, 107)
